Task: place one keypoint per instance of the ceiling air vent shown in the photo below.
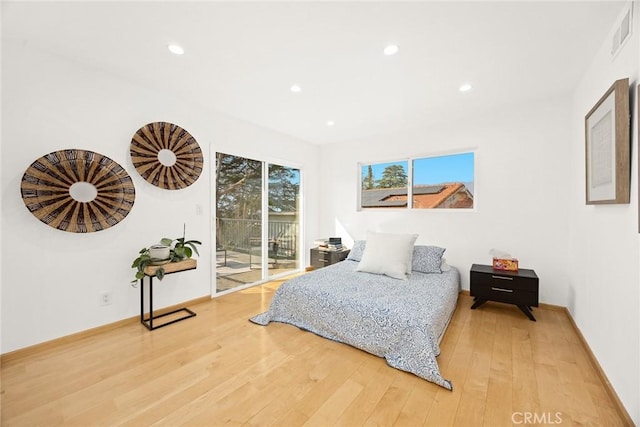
(623, 32)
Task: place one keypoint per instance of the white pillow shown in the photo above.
(389, 254)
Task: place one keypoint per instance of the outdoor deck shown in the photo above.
(242, 268)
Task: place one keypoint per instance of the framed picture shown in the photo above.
(607, 147)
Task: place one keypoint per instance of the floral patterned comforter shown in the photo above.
(400, 320)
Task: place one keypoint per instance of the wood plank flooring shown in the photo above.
(219, 369)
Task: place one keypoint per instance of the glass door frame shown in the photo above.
(264, 218)
(265, 223)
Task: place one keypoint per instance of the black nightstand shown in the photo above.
(513, 287)
(321, 258)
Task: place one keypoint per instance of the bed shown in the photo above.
(400, 320)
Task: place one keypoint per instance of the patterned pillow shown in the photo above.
(427, 259)
(357, 250)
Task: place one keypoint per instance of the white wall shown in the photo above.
(521, 175)
(51, 279)
(604, 280)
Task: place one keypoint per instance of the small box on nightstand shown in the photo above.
(507, 264)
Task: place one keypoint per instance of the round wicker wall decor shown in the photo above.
(166, 155)
(47, 191)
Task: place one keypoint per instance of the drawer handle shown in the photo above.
(323, 260)
(502, 277)
(501, 289)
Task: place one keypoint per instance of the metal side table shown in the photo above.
(150, 271)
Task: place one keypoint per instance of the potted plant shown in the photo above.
(178, 249)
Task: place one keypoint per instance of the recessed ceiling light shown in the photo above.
(330, 123)
(295, 88)
(175, 49)
(465, 87)
(391, 49)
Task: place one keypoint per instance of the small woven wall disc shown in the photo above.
(147, 146)
(46, 191)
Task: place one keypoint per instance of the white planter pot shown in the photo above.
(159, 252)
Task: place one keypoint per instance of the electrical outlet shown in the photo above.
(105, 298)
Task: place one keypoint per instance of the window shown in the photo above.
(438, 182)
(385, 185)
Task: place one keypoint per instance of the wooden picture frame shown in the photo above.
(607, 140)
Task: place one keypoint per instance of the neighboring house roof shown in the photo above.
(431, 200)
(379, 197)
(427, 196)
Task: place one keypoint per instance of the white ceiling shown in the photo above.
(241, 58)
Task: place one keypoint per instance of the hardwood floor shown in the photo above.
(219, 369)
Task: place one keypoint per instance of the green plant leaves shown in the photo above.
(192, 244)
(179, 251)
(182, 249)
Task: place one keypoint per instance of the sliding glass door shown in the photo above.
(283, 220)
(257, 237)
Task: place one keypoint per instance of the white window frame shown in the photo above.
(410, 174)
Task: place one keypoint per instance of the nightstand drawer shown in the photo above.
(321, 258)
(505, 292)
(503, 288)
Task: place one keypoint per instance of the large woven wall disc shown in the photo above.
(77, 190)
(166, 155)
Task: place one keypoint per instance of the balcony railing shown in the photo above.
(242, 235)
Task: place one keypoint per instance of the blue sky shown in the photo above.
(433, 170)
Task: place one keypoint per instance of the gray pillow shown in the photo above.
(357, 250)
(427, 259)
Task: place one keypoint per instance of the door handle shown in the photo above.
(501, 289)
